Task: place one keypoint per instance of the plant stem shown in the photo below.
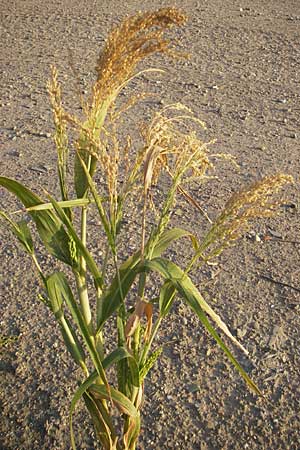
(38, 267)
(142, 278)
(104, 265)
(81, 278)
(122, 307)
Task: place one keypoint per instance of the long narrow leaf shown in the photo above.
(111, 299)
(57, 283)
(84, 251)
(63, 204)
(98, 200)
(119, 399)
(119, 354)
(102, 428)
(168, 237)
(166, 298)
(56, 297)
(73, 345)
(113, 358)
(194, 299)
(21, 231)
(49, 227)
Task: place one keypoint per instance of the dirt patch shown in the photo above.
(243, 80)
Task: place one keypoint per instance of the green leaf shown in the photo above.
(166, 297)
(102, 422)
(112, 299)
(80, 179)
(78, 243)
(101, 392)
(56, 296)
(168, 237)
(113, 358)
(73, 345)
(63, 204)
(21, 231)
(119, 354)
(98, 201)
(59, 289)
(25, 234)
(119, 399)
(194, 299)
(49, 227)
(77, 396)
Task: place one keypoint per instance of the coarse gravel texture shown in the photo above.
(243, 80)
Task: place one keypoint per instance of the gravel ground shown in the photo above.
(243, 80)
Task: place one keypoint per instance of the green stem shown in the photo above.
(99, 345)
(81, 278)
(38, 267)
(104, 265)
(67, 330)
(122, 307)
(142, 277)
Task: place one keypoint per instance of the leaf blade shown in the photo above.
(57, 282)
(192, 296)
(112, 299)
(86, 254)
(49, 227)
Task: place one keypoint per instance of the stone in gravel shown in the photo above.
(15, 153)
(40, 169)
(274, 233)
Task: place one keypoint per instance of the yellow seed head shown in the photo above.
(136, 38)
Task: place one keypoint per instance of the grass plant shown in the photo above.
(111, 382)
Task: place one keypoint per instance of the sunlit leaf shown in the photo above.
(194, 299)
(49, 227)
(78, 243)
(59, 289)
(112, 299)
(21, 230)
(119, 399)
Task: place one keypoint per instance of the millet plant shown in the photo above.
(113, 287)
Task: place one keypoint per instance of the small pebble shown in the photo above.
(274, 233)
(14, 153)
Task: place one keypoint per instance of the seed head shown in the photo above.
(256, 201)
(136, 38)
(170, 149)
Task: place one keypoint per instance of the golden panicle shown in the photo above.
(175, 151)
(256, 201)
(55, 99)
(134, 39)
(61, 136)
